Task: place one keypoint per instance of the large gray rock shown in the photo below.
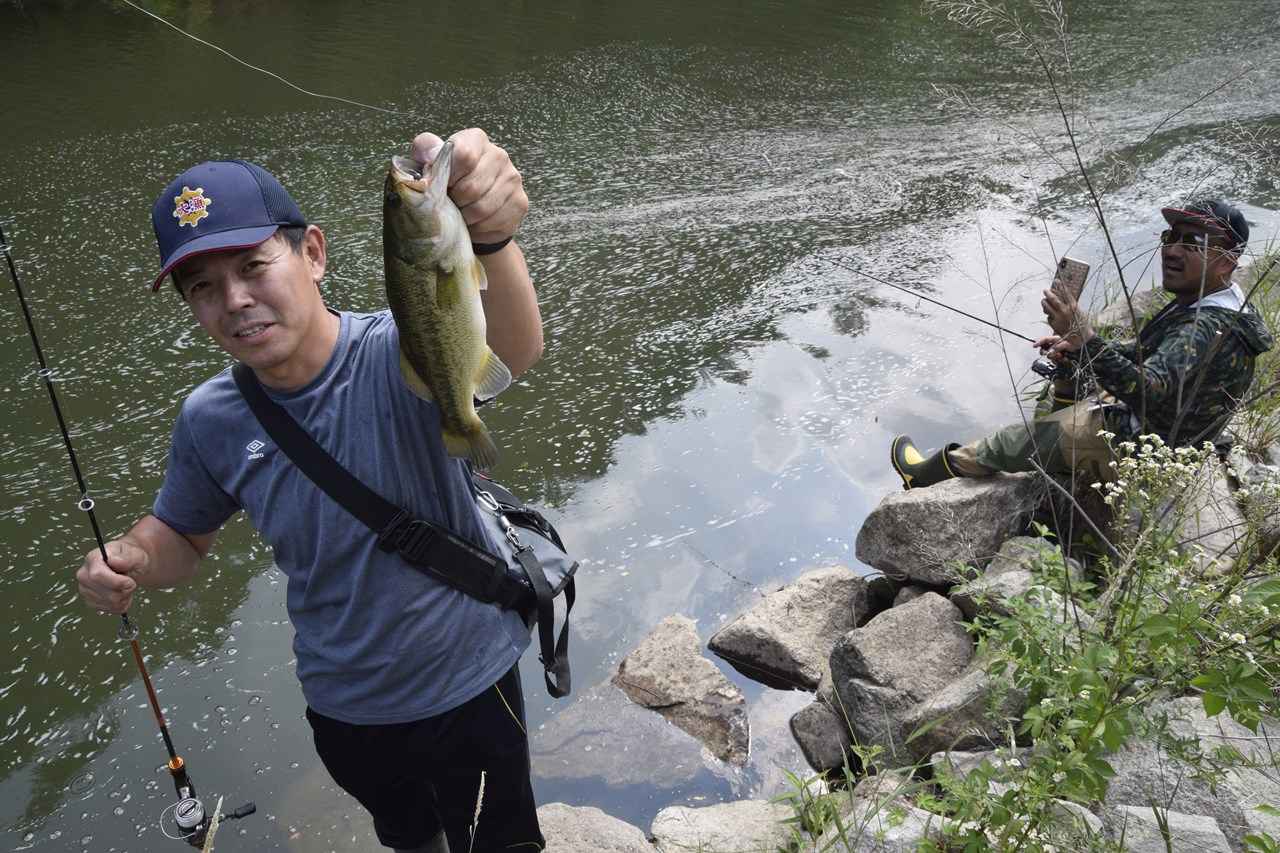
(929, 535)
(574, 829)
(900, 658)
(1036, 555)
(916, 648)
(1210, 523)
(1117, 319)
(668, 674)
(1142, 833)
(876, 827)
(992, 594)
(785, 639)
(1259, 500)
(962, 716)
(910, 592)
(1072, 827)
(823, 735)
(1146, 774)
(995, 595)
(746, 826)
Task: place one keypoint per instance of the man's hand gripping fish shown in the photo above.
(433, 288)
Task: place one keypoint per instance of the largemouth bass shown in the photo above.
(433, 287)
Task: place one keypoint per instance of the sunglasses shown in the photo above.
(1198, 242)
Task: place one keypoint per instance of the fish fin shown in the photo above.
(413, 380)
(482, 280)
(493, 378)
(476, 445)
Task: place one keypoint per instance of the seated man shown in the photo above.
(1197, 357)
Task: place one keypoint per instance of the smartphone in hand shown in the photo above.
(1070, 277)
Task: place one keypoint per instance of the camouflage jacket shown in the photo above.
(1196, 366)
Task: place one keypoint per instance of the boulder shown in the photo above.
(1146, 774)
(876, 715)
(995, 594)
(1036, 555)
(900, 658)
(960, 763)
(785, 639)
(1116, 318)
(823, 735)
(1073, 827)
(1187, 832)
(1211, 523)
(1259, 500)
(873, 827)
(889, 786)
(961, 716)
(992, 594)
(574, 829)
(916, 648)
(909, 592)
(667, 673)
(746, 826)
(930, 535)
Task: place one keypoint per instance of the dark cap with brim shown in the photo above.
(219, 206)
(1213, 214)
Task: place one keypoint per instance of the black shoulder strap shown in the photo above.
(431, 547)
(369, 507)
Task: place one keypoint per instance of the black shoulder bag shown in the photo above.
(531, 571)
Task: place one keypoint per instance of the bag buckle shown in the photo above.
(490, 503)
(406, 535)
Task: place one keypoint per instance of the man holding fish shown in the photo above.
(412, 688)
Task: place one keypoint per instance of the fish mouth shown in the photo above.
(406, 168)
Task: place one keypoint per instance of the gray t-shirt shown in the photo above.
(377, 641)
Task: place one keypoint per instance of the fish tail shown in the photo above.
(475, 444)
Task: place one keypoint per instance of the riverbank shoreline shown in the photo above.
(956, 735)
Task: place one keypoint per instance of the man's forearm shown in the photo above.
(511, 309)
(1148, 386)
(172, 559)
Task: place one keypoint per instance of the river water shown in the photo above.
(713, 412)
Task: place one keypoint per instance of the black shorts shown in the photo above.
(418, 778)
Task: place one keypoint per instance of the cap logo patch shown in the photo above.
(190, 207)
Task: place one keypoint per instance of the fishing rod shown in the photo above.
(920, 295)
(189, 814)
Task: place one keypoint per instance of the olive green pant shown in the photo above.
(1060, 442)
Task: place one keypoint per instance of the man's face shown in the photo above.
(262, 304)
(1193, 260)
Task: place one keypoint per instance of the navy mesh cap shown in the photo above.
(219, 206)
(1214, 214)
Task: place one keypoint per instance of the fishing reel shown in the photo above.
(1065, 371)
(194, 824)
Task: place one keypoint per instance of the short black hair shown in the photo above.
(292, 234)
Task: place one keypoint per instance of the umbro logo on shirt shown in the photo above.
(254, 447)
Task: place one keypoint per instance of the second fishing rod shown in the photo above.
(1072, 272)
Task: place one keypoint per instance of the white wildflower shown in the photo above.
(1234, 600)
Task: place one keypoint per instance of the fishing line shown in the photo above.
(920, 295)
(232, 56)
